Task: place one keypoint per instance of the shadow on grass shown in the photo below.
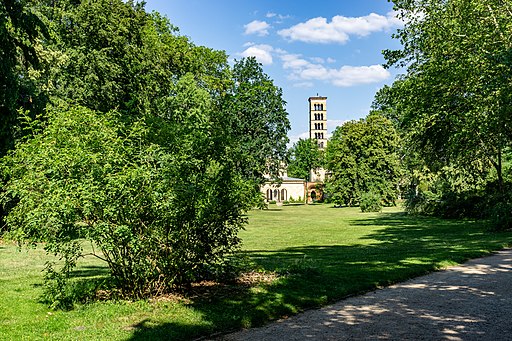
(397, 247)
(89, 271)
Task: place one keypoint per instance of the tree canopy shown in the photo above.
(453, 105)
(455, 98)
(304, 157)
(362, 157)
(19, 29)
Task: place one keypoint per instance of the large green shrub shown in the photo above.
(160, 199)
(370, 202)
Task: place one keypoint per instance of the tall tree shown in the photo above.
(304, 157)
(455, 98)
(362, 157)
(19, 29)
(259, 121)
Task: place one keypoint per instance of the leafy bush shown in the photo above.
(370, 202)
(501, 216)
(161, 199)
(423, 203)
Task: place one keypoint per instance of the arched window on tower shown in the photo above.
(322, 117)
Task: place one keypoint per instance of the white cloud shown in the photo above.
(263, 53)
(304, 85)
(353, 75)
(340, 28)
(332, 124)
(331, 60)
(296, 138)
(294, 62)
(318, 60)
(257, 27)
(346, 76)
(279, 17)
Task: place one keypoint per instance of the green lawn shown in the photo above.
(321, 253)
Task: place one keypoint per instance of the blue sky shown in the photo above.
(331, 48)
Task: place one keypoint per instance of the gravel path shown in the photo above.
(472, 301)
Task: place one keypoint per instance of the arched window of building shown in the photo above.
(284, 194)
(322, 117)
(276, 194)
(269, 194)
(322, 126)
(321, 145)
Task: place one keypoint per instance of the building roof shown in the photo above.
(287, 178)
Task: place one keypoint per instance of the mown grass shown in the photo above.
(321, 253)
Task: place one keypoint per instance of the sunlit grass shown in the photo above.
(321, 254)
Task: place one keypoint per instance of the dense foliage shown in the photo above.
(151, 148)
(454, 102)
(260, 122)
(19, 29)
(362, 157)
(304, 157)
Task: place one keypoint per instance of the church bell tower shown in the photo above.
(318, 120)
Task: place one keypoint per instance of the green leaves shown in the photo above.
(451, 99)
(362, 157)
(259, 120)
(304, 157)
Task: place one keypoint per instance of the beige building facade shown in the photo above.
(290, 189)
